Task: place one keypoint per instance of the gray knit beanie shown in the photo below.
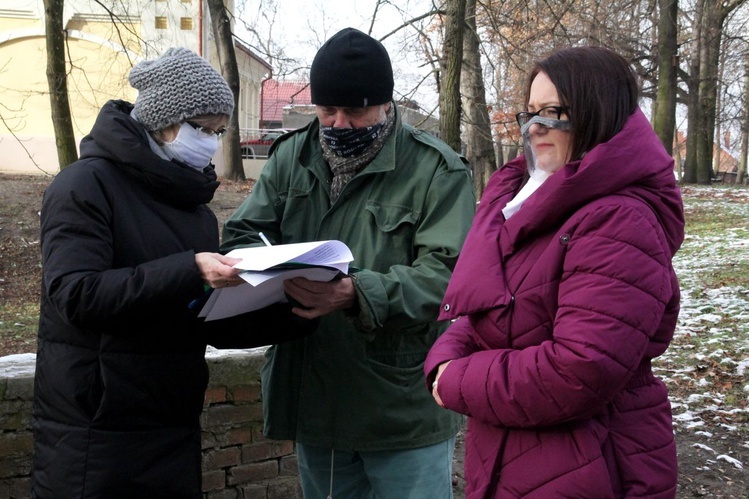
(178, 86)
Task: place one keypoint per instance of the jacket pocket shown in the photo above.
(399, 375)
(396, 229)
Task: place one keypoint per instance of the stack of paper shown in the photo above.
(266, 267)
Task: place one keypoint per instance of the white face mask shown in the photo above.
(192, 146)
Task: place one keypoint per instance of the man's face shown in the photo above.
(352, 117)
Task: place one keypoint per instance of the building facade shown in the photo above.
(103, 41)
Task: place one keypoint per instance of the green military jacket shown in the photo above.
(357, 382)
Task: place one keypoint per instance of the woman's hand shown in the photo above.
(217, 271)
(435, 385)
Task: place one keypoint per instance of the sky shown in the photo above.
(301, 26)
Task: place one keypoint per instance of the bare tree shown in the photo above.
(478, 135)
(664, 114)
(449, 89)
(744, 124)
(692, 81)
(222, 34)
(57, 81)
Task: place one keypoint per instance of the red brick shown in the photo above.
(222, 494)
(19, 488)
(254, 491)
(221, 458)
(288, 466)
(214, 480)
(261, 451)
(238, 436)
(16, 444)
(253, 472)
(231, 414)
(245, 393)
(283, 448)
(207, 440)
(215, 395)
(285, 489)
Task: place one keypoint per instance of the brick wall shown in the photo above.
(238, 462)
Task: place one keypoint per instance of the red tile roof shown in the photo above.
(277, 94)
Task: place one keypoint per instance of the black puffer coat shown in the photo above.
(121, 374)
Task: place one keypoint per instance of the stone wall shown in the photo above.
(238, 462)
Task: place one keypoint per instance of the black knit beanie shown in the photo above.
(351, 69)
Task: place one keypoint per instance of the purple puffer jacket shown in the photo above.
(560, 310)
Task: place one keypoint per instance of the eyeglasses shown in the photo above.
(553, 112)
(208, 131)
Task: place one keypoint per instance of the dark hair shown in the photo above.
(599, 87)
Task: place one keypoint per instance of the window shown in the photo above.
(161, 22)
(185, 23)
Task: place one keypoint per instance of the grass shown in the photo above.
(706, 366)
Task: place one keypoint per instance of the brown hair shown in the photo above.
(597, 85)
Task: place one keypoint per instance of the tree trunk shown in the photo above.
(664, 119)
(744, 127)
(451, 63)
(705, 134)
(693, 116)
(58, 83)
(713, 19)
(221, 26)
(479, 146)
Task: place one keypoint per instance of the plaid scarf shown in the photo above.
(344, 169)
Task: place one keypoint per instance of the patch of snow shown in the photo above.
(703, 447)
(731, 460)
(21, 364)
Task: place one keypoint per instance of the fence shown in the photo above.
(255, 142)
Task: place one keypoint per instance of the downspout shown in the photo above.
(262, 95)
(200, 28)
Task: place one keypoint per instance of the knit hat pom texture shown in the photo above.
(178, 86)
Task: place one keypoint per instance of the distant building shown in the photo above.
(288, 105)
(725, 165)
(280, 95)
(102, 46)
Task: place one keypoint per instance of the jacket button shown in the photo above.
(446, 307)
(564, 239)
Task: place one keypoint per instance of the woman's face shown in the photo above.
(552, 146)
(212, 122)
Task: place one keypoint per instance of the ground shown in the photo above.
(703, 473)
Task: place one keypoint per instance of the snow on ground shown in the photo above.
(707, 364)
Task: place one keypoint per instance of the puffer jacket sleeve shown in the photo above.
(78, 249)
(615, 285)
(456, 342)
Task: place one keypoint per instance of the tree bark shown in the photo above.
(664, 119)
(693, 81)
(449, 89)
(744, 127)
(479, 146)
(713, 19)
(58, 84)
(222, 34)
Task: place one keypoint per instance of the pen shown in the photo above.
(265, 239)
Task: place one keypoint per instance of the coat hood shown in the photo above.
(633, 163)
(120, 139)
